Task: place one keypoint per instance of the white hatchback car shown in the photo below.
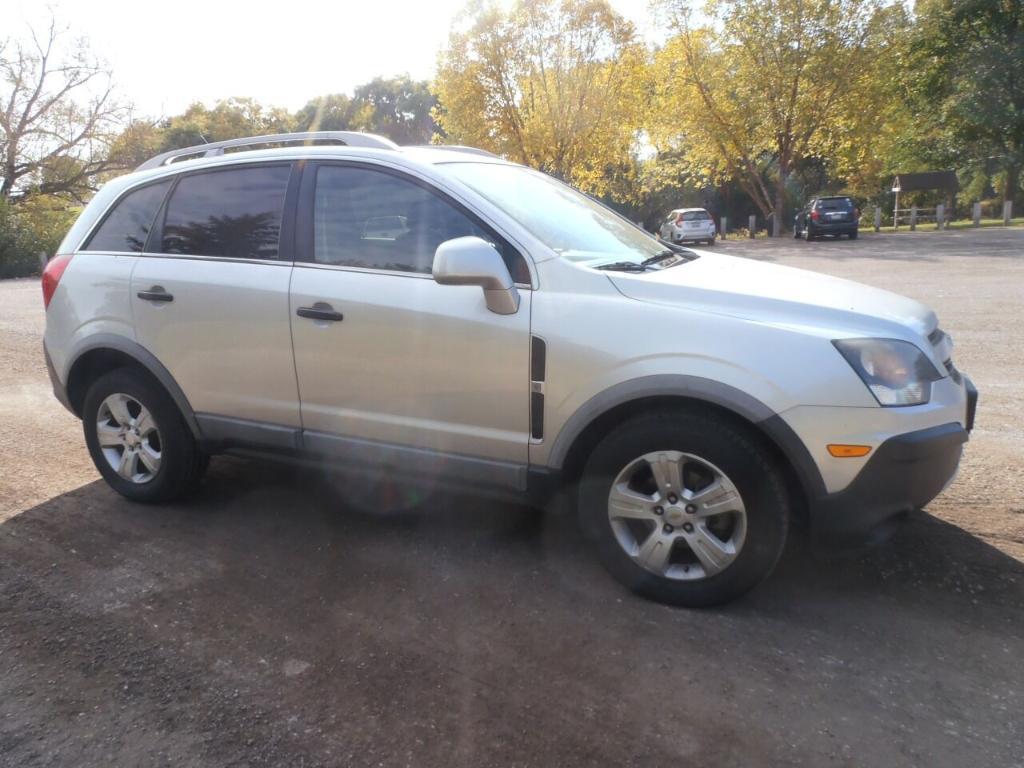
(689, 225)
(440, 316)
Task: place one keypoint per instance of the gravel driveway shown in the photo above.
(282, 618)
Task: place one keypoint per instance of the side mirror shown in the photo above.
(472, 261)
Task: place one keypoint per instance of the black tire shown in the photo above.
(796, 234)
(738, 453)
(853, 235)
(182, 463)
(808, 235)
(711, 241)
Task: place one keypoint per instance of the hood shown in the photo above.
(756, 290)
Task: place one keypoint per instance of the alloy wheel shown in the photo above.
(677, 515)
(128, 438)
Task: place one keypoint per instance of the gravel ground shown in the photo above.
(278, 618)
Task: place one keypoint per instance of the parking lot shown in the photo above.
(285, 617)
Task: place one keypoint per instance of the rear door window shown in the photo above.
(127, 226)
(233, 213)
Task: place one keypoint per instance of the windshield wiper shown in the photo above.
(660, 256)
(624, 266)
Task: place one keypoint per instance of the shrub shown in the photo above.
(29, 228)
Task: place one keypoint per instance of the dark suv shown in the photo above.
(827, 216)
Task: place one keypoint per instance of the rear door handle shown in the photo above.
(156, 293)
(320, 311)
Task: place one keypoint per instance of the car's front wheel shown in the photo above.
(138, 439)
(684, 507)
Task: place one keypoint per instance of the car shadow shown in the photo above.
(442, 626)
(249, 509)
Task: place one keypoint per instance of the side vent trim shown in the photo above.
(538, 372)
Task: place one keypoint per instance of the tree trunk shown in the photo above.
(780, 201)
(1012, 185)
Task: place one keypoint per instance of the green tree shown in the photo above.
(967, 89)
(762, 84)
(228, 119)
(333, 112)
(556, 84)
(398, 108)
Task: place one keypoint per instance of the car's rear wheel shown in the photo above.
(138, 439)
(808, 235)
(684, 507)
(711, 241)
(853, 235)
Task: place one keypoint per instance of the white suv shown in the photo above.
(449, 318)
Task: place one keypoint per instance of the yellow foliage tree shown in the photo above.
(556, 84)
(762, 84)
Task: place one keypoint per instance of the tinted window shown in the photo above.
(367, 218)
(235, 213)
(696, 216)
(127, 226)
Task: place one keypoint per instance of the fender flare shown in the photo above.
(146, 360)
(725, 396)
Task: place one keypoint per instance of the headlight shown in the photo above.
(896, 372)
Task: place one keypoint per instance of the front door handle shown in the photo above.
(320, 311)
(156, 293)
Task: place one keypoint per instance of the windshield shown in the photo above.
(570, 223)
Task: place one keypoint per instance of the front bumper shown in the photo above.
(903, 474)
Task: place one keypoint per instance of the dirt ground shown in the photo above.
(283, 618)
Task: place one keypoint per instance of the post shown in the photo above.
(1007, 212)
(725, 227)
(913, 218)
(751, 223)
(940, 215)
(977, 215)
(878, 218)
(896, 213)
(43, 258)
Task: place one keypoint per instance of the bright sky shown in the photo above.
(166, 55)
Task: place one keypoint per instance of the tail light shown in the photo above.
(51, 276)
(815, 215)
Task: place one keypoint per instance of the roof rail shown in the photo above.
(456, 148)
(347, 138)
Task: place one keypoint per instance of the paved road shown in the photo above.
(280, 618)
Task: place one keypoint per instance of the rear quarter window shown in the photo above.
(127, 226)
